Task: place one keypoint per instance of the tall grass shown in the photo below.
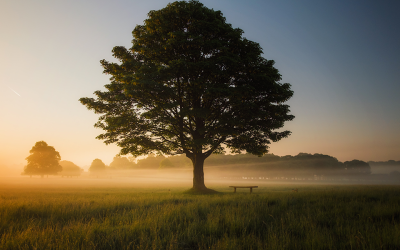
(317, 217)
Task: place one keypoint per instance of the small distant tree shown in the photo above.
(166, 163)
(43, 160)
(70, 169)
(97, 167)
(120, 162)
(152, 161)
(357, 167)
(180, 161)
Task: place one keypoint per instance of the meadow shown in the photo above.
(273, 217)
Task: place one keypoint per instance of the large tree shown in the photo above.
(43, 160)
(191, 84)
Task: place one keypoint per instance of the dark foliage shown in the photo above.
(357, 167)
(191, 84)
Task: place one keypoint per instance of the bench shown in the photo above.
(251, 188)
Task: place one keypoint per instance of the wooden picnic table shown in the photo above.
(251, 188)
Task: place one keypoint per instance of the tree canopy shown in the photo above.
(191, 84)
(43, 160)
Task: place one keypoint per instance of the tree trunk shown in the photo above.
(198, 173)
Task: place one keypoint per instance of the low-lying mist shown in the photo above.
(244, 169)
(169, 178)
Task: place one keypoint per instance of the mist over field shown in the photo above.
(176, 171)
(301, 201)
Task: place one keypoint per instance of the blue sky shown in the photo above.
(341, 57)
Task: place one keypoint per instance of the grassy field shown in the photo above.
(273, 217)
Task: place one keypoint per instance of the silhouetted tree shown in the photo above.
(70, 169)
(357, 167)
(319, 164)
(43, 160)
(191, 84)
(97, 167)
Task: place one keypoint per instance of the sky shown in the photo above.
(342, 59)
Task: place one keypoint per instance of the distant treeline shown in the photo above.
(150, 162)
(385, 163)
(301, 164)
